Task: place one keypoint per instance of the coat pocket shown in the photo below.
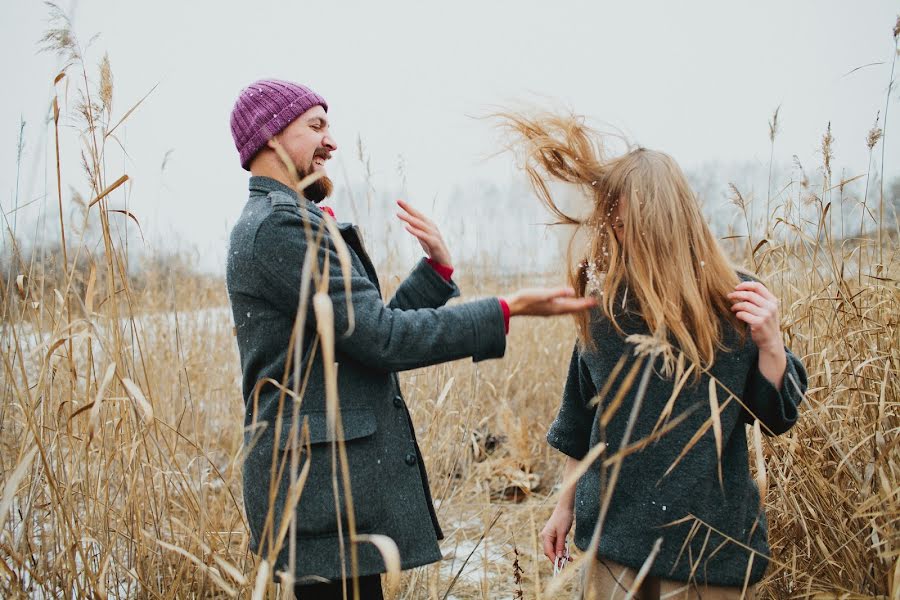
(319, 506)
(356, 423)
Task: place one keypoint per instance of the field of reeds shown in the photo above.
(121, 415)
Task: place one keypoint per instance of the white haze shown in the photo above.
(699, 80)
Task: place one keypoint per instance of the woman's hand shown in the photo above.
(544, 302)
(426, 232)
(756, 306)
(555, 531)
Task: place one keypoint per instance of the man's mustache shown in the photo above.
(322, 153)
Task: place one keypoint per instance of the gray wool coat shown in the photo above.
(711, 531)
(389, 486)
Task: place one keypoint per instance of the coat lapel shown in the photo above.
(353, 238)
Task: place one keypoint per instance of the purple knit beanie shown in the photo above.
(263, 109)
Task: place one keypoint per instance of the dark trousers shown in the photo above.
(369, 589)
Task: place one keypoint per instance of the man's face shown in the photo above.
(309, 145)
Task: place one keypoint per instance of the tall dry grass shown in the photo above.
(120, 420)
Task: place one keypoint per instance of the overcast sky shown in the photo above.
(698, 80)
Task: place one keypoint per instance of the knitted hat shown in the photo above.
(263, 109)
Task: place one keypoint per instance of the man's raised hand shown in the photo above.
(426, 232)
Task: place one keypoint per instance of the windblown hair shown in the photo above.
(669, 259)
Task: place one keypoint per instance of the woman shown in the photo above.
(681, 354)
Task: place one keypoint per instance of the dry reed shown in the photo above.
(121, 415)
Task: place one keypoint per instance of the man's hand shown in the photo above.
(426, 232)
(544, 302)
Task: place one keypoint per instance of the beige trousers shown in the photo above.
(612, 581)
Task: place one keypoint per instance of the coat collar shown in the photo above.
(264, 185)
(351, 234)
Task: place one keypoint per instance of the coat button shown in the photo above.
(398, 401)
(410, 459)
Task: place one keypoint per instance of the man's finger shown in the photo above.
(406, 206)
(578, 303)
(423, 236)
(557, 293)
(417, 233)
(409, 218)
(569, 305)
(409, 208)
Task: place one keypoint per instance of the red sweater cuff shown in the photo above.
(504, 306)
(445, 271)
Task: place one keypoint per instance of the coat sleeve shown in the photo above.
(423, 288)
(383, 338)
(776, 409)
(570, 432)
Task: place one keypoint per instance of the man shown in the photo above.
(280, 127)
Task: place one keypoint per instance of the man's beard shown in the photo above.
(318, 190)
(322, 187)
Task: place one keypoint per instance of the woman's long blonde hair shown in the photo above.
(675, 269)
